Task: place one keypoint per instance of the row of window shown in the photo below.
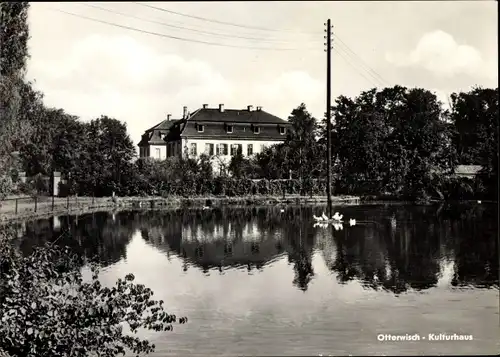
(223, 149)
(229, 129)
(228, 249)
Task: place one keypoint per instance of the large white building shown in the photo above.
(217, 132)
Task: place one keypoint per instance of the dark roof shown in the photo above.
(242, 121)
(164, 125)
(236, 116)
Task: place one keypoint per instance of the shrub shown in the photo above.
(47, 309)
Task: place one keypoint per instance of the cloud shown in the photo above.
(439, 53)
(123, 78)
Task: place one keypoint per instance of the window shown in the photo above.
(256, 130)
(169, 150)
(200, 128)
(262, 147)
(209, 149)
(158, 153)
(250, 149)
(161, 135)
(236, 148)
(193, 150)
(223, 149)
(229, 129)
(282, 130)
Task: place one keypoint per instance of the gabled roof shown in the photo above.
(164, 125)
(236, 116)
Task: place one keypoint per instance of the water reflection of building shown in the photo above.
(216, 244)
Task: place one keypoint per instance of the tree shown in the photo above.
(13, 56)
(474, 116)
(108, 149)
(393, 140)
(304, 154)
(14, 36)
(47, 309)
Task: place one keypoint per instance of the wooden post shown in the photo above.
(67, 202)
(16, 205)
(328, 117)
(36, 202)
(52, 202)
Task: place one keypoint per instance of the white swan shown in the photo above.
(324, 216)
(337, 216)
(338, 226)
(316, 218)
(282, 210)
(352, 222)
(206, 207)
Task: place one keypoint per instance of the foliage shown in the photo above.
(475, 118)
(391, 140)
(13, 57)
(14, 35)
(48, 309)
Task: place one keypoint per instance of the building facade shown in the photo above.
(217, 132)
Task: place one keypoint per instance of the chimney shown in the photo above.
(250, 108)
(205, 106)
(221, 108)
(168, 117)
(185, 113)
(259, 109)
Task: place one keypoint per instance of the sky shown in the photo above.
(269, 54)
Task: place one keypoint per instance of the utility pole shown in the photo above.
(328, 117)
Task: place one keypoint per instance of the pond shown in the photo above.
(259, 281)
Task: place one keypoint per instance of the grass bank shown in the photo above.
(23, 208)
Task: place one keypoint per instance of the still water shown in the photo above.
(258, 281)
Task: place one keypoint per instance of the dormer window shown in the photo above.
(256, 130)
(229, 129)
(200, 128)
(282, 130)
(162, 135)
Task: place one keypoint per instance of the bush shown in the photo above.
(46, 308)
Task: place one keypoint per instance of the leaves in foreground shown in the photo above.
(47, 309)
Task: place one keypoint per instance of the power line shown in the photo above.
(375, 74)
(350, 64)
(186, 28)
(174, 37)
(218, 21)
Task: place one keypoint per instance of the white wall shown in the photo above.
(225, 159)
(154, 153)
(200, 145)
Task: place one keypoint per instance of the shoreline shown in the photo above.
(81, 205)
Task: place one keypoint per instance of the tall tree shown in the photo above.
(304, 154)
(475, 118)
(392, 140)
(14, 34)
(108, 150)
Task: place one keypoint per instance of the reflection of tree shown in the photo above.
(407, 255)
(396, 249)
(96, 236)
(300, 245)
(476, 260)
